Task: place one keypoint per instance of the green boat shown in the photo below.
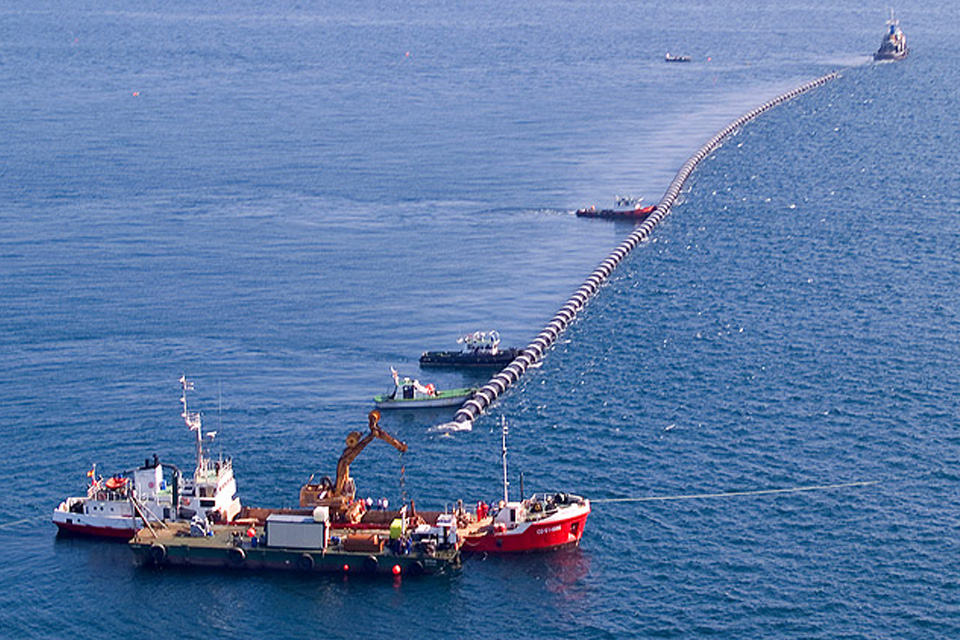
(408, 393)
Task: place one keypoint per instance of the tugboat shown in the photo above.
(894, 44)
(627, 208)
(410, 394)
(542, 522)
(481, 349)
(120, 505)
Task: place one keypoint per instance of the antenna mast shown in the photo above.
(192, 420)
(503, 435)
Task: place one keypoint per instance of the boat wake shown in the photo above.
(452, 427)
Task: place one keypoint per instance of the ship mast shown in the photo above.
(503, 435)
(192, 420)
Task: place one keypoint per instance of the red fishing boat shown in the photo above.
(542, 522)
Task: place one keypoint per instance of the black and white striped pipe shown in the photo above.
(473, 408)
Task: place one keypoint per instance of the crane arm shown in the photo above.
(356, 444)
(389, 439)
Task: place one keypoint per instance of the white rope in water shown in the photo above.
(7, 525)
(698, 496)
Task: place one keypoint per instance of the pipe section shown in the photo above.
(473, 408)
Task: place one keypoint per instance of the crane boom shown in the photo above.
(356, 444)
(339, 494)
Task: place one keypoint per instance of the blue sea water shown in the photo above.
(283, 200)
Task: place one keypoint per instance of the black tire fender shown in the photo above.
(158, 553)
(236, 555)
(305, 562)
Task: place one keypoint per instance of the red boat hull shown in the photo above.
(623, 214)
(76, 529)
(552, 534)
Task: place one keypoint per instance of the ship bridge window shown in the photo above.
(206, 503)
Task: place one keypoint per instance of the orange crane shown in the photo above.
(339, 495)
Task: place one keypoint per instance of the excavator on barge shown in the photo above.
(339, 495)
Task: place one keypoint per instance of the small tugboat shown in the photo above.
(672, 58)
(542, 522)
(627, 208)
(894, 44)
(481, 349)
(410, 394)
(120, 505)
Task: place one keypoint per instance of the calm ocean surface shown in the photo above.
(282, 200)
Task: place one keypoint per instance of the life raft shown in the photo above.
(115, 483)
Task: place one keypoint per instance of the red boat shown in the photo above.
(627, 209)
(542, 522)
(539, 523)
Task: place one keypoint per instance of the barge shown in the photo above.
(332, 531)
(306, 542)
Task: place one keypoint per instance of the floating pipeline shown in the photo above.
(535, 351)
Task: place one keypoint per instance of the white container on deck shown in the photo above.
(296, 532)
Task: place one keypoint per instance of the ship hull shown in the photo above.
(890, 55)
(617, 214)
(294, 560)
(451, 398)
(120, 531)
(462, 359)
(231, 548)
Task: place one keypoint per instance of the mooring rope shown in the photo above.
(732, 494)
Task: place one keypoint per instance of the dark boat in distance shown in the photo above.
(481, 349)
(673, 58)
(627, 208)
(894, 44)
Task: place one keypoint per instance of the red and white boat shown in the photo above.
(121, 505)
(542, 522)
(628, 208)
